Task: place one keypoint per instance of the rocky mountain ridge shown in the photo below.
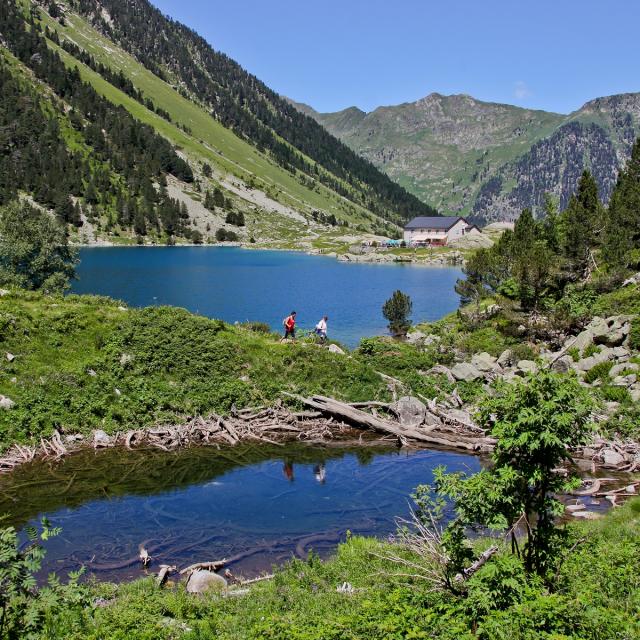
(487, 160)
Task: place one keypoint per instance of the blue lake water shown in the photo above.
(237, 285)
(256, 506)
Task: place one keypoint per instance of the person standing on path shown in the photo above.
(289, 324)
(321, 329)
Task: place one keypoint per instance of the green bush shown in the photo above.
(590, 350)
(523, 351)
(599, 372)
(634, 335)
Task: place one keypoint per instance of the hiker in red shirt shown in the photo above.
(289, 324)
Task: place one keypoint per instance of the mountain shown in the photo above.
(486, 160)
(150, 133)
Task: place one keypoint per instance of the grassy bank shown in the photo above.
(595, 596)
(82, 363)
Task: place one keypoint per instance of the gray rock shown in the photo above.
(10, 357)
(410, 411)
(506, 359)
(126, 359)
(527, 366)
(617, 369)
(587, 515)
(334, 348)
(4, 292)
(465, 371)
(484, 362)
(6, 403)
(562, 364)
(586, 364)
(202, 581)
(632, 280)
(100, 438)
(598, 327)
(618, 353)
(92, 373)
(612, 458)
(635, 394)
(572, 508)
(415, 337)
(581, 341)
(440, 369)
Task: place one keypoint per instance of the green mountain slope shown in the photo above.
(301, 201)
(490, 160)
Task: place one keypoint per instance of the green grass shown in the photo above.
(69, 372)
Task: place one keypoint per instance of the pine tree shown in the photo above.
(622, 231)
(397, 310)
(582, 221)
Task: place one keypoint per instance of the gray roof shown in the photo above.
(433, 222)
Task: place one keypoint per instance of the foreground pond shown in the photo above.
(237, 285)
(256, 506)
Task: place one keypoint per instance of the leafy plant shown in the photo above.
(536, 422)
(17, 583)
(599, 372)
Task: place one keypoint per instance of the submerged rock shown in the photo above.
(202, 581)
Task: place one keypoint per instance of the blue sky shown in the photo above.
(333, 54)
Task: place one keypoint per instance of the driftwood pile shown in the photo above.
(406, 421)
(612, 454)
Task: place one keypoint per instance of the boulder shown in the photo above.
(618, 353)
(465, 371)
(506, 359)
(612, 331)
(100, 438)
(586, 364)
(410, 411)
(6, 403)
(598, 327)
(484, 362)
(612, 458)
(562, 364)
(202, 581)
(580, 342)
(415, 337)
(440, 369)
(617, 369)
(334, 348)
(4, 292)
(635, 394)
(527, 366)
(10, 357)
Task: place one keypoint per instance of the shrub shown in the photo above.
(397, 310)
(223, 235)
(256, 327)
(34, 251)
(599, 372)
(612, 393)
(634, 335)
(590, 350)
(523, 351)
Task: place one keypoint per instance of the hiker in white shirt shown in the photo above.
(321, 328)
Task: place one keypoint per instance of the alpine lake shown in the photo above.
(255, 505)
